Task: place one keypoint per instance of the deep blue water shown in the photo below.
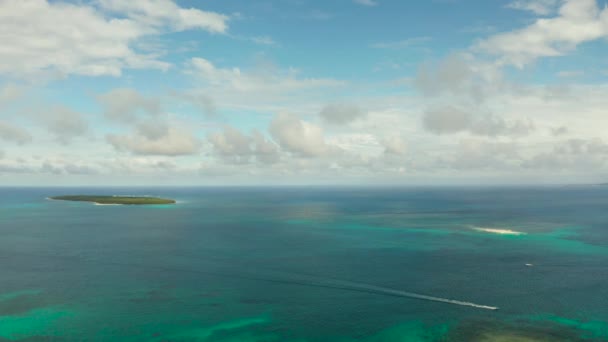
(304, 264)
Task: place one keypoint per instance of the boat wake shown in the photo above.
(284, 278)
(366, 288)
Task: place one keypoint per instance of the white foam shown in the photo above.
(346, 285)
(438, 299)
(498, 231)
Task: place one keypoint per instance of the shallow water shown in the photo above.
(306, 264)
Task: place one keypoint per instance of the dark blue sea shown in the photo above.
(306, 264)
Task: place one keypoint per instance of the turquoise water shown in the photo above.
(306, 264)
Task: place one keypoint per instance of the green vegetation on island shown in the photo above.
(125, 200)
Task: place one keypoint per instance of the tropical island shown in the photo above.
(122, 200)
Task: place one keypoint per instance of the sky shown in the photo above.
(303, 92)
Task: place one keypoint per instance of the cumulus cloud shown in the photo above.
(561, 130)
(572, 154)
(174, 142)
(459, 75)
(540, 7)
(137, 165)
(262, 86)
(395, 146)
(236, 147)
(9, 93)
(494, 126)
(297, 136)
(86, 40)
(12, 133)
(153, 129)
(265, 86)
(459, 92)
(80, 169)
(477, 154)
(578, 21)
(446, 120)
(53, 166)
(126, 104)
(64, 123)
(267, 78)
(341, 113)
(473, 119)
(7, 167)
(202, 102)
(450, 119)
(163, 13)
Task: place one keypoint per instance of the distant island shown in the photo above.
(124, 200)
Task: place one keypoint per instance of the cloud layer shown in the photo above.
(142, 91)
(85, 40)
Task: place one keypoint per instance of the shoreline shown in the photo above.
(115, 199)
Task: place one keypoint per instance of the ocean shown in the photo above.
(306, 264)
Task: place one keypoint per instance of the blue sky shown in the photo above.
(303, 92)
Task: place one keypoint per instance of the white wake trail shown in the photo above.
(360, 287)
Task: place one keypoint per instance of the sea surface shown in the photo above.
(306, 264)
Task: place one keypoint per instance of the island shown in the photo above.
(122, 200)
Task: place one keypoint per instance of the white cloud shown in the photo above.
(126, 104)
(263, 40)
(48, 165)
(366, 2)
(14, 133)
(235, 147)
(470, 121)
(476, 154)
(140, 165)
(60, 166)
(540, 7)
(341, 113)
(319, 15)
(65, 124)
(558, 131)
(461, 76)
(572, 155)
(14, 167)
(446, 120)
(395, 146)
(494, 126)
(267, 78)
(153, 129)
(450, 119)
(82, 39)
(297, 136)
(263, 87)
(570, 73)
(203, 103)
(10, 93)
(161, 13)
(355, 144)
(402, 44)
(174, 142)
(578, 21)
